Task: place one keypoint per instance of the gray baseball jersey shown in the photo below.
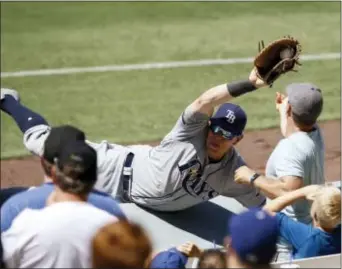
(302, 155)
(175, 174)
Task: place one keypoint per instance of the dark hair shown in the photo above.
(212, 258)
(76, 168)
(46, 166)
(300, 122)
(68, 180)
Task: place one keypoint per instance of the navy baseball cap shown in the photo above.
(254, 235)
(58, 138)
(171, 258)
(231, 118)
(78, 161)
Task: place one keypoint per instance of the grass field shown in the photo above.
(139, 106)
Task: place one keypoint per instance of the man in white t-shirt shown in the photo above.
(298, 159)
(59, 235)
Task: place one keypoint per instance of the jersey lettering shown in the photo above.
(193, 183)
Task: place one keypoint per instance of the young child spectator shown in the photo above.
(323, 236)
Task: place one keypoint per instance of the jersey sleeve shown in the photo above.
(188, 125)
(291, 163)
(293, 231)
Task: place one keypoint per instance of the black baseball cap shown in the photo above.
(58, 138)
(78, 161)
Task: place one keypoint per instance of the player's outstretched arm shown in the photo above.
(223, 93)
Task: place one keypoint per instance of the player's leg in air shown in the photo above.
(34, 127)
(36, 130)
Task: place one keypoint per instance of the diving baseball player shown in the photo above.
(194, 162)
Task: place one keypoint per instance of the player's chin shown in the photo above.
(215, 151)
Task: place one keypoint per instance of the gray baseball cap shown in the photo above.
(306, 101)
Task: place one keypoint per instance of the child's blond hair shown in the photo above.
(326, 207)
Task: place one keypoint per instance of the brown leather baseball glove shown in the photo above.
(277, 58)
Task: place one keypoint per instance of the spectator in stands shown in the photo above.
(121, 244)
(323, 237)
(298, 158)
(36, 198)
(212, 258)
(59, 235)
(252, 240)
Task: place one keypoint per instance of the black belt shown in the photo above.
(127, 178)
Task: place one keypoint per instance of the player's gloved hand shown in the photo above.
(190, 249)
(277, 58)
(257, 81)
(243, 175)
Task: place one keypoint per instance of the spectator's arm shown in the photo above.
(293, 231)
(270, 187)
(283, 201)
(276, 188)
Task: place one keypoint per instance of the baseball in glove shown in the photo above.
(277, 58)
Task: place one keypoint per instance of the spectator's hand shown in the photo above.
(190, 249)
(279, 100)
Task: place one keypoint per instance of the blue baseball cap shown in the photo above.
(254, 235)
(171, 258)
(231, 118)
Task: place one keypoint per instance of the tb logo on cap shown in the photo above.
(230, 116)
